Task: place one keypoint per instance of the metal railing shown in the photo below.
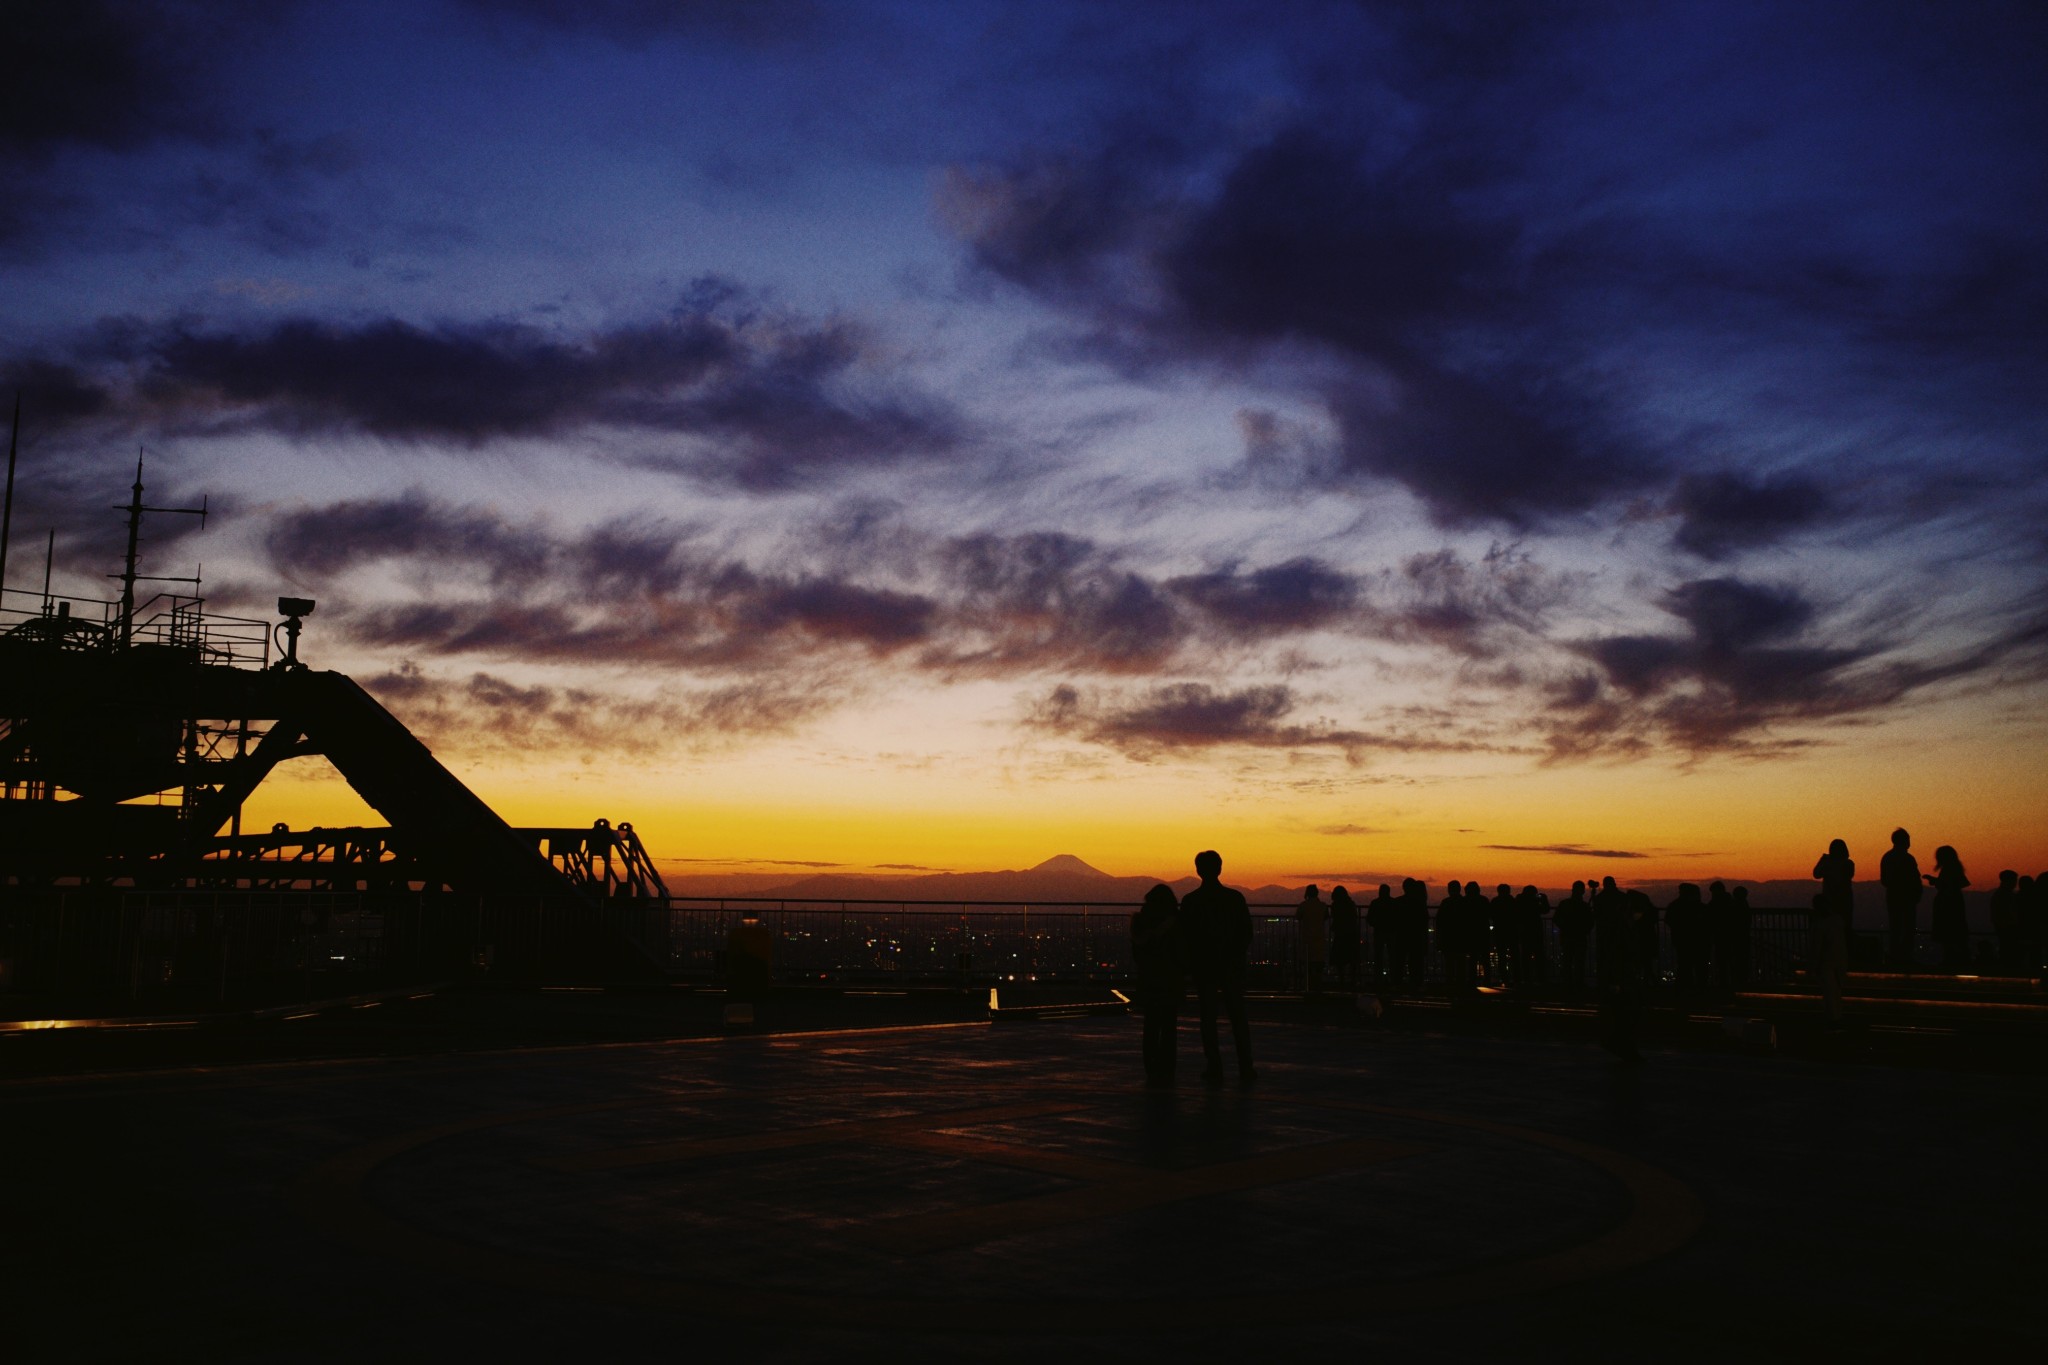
(137, 945)
(167, 621)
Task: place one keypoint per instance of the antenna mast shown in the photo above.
(128, 576)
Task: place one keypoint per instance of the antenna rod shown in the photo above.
(7, 516)
(49, 558)
(134, 510)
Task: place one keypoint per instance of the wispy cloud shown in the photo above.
(1565, 850)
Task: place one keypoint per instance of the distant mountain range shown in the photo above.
(1065, 877)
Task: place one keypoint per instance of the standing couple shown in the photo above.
(1207, 934)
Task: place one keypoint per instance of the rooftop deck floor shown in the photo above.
(1014, 1192)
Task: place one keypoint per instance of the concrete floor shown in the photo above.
(960, 1190)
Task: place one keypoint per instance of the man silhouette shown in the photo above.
(1311, 919)
(1574, 928)
(1616, 956)
(1899, 872)
(1218, 926)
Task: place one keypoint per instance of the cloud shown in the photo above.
(1565, 850)
(1047, 599)
(1397, 264)
(640, 591)
(487, 712)
(340, 536)
(1474, 609)
(1725, 512)
(1298, 595)
(760, 401)
(1748, 663)
(1345, 830)
(52, 391)
(109, 73)
(635, 23)
(1188, 716)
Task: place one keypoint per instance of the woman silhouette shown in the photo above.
(1160, 956)
(1951, 928)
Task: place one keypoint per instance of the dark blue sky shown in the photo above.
(1284, 393)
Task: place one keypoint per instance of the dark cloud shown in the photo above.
(1725, 512)
(1491, 243)
(1748, 664)
(1478, 450)
(1476, 609)
(1299, 595)
(121, 77)
(1047, 600)
(109, 73)
(1306, 238)
(1179, 717)
(639, 590)
(52, 391)
(492, 713)
(1380, 257)
(762, 401)
(1336, 831)
(635, 23)
(1565, 850)
(1184, 716)
(331, 539)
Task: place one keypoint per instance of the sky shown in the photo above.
(1372, 439)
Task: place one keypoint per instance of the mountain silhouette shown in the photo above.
(1063, 877)
(1066, 864)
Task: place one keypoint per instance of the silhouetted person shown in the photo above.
(1691, 937)
(1160, 957)
(1616, 960)
(1344, 938)
(2034, 920)
(1454, 941)
(1899, 873)
(1218, 926)
(1503, 923)
(1383, 918)
(1720, 906)
(1951, 927)
(1574, 930)
(1415, 930)
(1312, 938)
(749, 957)
(1832, 910)
(1532, 961)
(1643, 914)
(2005, 919)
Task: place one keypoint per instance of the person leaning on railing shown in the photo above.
(1832, 909)
(749, 956)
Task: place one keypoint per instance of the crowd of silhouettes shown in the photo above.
(1608, 941)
